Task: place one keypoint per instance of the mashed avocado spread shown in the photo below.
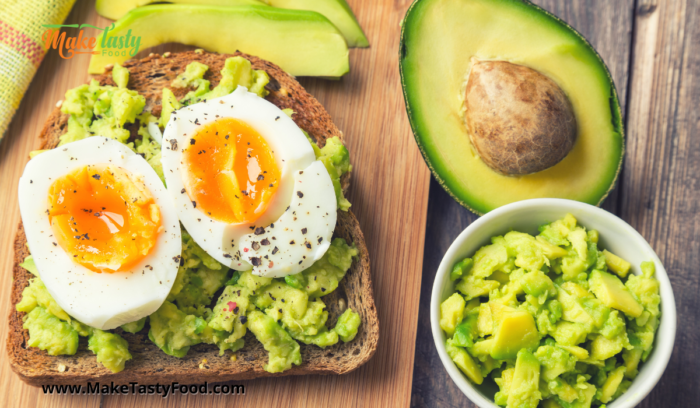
(278, 312)
(551, 318)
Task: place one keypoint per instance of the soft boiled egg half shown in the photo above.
(247, 185)
(102, 229)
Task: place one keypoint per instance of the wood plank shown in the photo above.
(608, 26)
(368, 106)
(662, 173)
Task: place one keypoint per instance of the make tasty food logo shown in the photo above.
(105, 44)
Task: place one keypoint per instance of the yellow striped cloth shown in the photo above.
(21, 48)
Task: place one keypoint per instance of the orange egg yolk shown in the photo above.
(104, 217)
(230, 171)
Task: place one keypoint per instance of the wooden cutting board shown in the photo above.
(389, 193)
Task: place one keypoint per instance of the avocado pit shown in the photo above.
(519, 121)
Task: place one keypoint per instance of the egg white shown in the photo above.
(303, 234)
(101, 300)
(293, 153)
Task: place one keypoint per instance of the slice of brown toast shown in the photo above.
(203, 363)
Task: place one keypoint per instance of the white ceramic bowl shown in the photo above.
(615, 235)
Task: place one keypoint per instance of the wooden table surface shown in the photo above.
(653, 51)
(368, 106)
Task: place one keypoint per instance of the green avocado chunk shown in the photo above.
(174, 331)
(100, 110)
(322, 278)
(514, 330)
(120, 75)
(336, 158)
(111, 349)
(347, 325)
(610, 290)
(524, 388)
(48, 332)
(35, 295)
(198, 279)
(303, 43)
(464, 362)
(134, 327)
(282, 350)
(441, 42)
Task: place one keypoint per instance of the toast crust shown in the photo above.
(149, 364)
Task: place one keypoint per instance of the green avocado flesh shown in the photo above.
(439, 39)
(303, 43)
(556, 326)
(337, 11)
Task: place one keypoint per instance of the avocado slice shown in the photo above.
(442, 40)
(114, 10)
(337, 11)
(303, 43)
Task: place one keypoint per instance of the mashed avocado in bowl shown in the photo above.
(552, 303)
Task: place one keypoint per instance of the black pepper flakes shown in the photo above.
(300, 194)
(194, 204)
(173, 144)
(256, 261)
(259, 231)
(303, 230)
(308, 244)
(182, 191)
(255, 245)
(265, 241)
(192, 141)
(243, 319)
(261, 177)
(275, 250)
(96, 176)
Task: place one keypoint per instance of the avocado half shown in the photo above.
(439, 41)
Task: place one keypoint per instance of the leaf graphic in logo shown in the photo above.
(92, 26)
(60, 25)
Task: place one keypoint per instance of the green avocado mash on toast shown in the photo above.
(208, 303)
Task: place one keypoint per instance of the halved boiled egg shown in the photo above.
(247, 185)
(102, 229)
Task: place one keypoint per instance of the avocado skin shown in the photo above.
(474, 205)
(303, 43)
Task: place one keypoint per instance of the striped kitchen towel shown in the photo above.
(21, 47)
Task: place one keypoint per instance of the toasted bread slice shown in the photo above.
(149, 364)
